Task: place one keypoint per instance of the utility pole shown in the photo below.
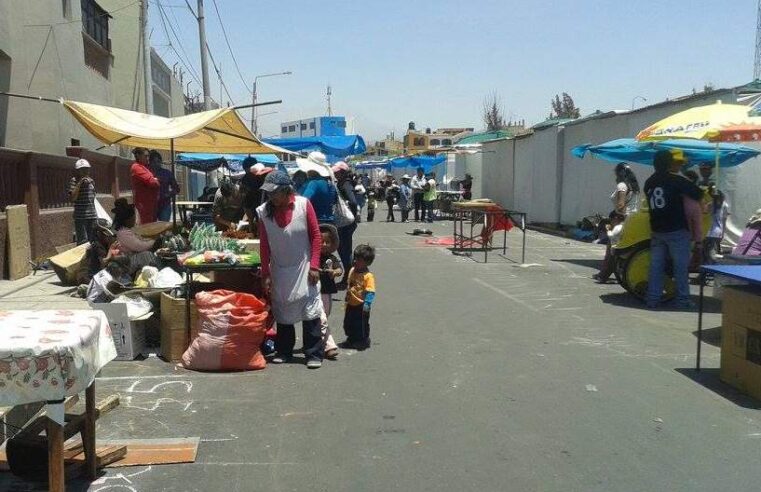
(254, 97)
(757, 61)
(330, 110)
(147, 83)
(204, 63)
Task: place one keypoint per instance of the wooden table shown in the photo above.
(47, 356)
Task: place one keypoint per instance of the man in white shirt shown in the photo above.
(417, 183)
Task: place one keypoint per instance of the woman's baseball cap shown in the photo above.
(275, 181)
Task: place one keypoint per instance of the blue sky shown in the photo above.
(433, 62)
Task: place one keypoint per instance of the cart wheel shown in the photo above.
(637, 270)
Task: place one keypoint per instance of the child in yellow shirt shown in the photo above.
(360, 294)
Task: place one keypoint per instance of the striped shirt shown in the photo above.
(84, 205)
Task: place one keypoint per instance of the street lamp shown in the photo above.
(644, 99)
(253, 109)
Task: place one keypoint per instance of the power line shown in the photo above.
(227, 40)
(164, 21)
(219, 74)
(80, 20)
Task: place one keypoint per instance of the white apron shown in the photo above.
(293, 298)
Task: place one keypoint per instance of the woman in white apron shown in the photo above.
(290, 251)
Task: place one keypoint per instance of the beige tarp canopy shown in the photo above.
(219, 131)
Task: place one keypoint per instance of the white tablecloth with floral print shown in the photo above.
(48, 355)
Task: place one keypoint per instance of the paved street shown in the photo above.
(486, 377)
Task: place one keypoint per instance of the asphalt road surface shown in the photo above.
(490, 377)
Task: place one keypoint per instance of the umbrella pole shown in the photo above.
(717, 165)
(174, 196)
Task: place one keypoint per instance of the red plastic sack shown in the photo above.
(230, 332)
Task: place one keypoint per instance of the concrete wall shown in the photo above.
(538, 174)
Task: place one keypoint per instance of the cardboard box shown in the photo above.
(174, 337)
(129, 335)
(741, 340)
(742, 305)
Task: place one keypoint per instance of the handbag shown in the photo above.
(343, 214)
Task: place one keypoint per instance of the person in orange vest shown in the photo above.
(145, 187)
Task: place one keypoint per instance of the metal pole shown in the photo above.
(253, 111)
(174, 196)
(147, 79)
(702, 279)
(204, 62)
(523, 249)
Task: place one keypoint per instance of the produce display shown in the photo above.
(204, 237)
(207, 246)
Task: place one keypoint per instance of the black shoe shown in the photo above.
(347, 344)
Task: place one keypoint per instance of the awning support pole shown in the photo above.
(174, 195)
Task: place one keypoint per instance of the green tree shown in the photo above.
(493, 113)
(564, 107)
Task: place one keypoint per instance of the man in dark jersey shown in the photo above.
(670, 234)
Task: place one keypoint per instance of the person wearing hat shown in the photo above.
(346, 233)
(417, 183)
(290, 244)
(749, 243)
(82, 194)
(670, 234)
(145, 186)
(318, 189)
(405, 195)
(251, 186)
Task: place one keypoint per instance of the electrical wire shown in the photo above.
(188, 65)
(229, 47)
(219, 74)
(80, 20)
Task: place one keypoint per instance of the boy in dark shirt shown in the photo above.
(330, 269)
(670, 233)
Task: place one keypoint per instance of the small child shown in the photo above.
(330, 270)
(719, 213)
(372, 204)
(360, 295)
(613, 231)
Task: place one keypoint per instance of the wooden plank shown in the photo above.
(136, 452)
(156, 451)
(19, 245)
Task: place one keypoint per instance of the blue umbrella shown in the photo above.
(695, 151)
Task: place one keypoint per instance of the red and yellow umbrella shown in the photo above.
(714, 123)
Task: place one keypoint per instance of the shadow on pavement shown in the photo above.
(709, 379)
(585, 262)
(711, 336)
(624, 299)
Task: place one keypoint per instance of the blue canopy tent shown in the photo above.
(695, 151)
(334, 147)
(233, 162)
(424, 161)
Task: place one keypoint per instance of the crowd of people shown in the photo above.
(677, 200)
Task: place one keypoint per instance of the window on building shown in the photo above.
(160, 76)
(284, 129)
(418, 142)
(311, 125)
(435, 141)
(75, 142)
(292, 128)
(446, 141)
(161, 104)
(95, 23)
(341, 124)
(303, 126)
